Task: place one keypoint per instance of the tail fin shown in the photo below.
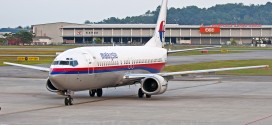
(158, 38)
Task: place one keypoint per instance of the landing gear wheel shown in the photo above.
(148, 96)
(140, 93)
(99, 92)
(68, 100)
(92, 93)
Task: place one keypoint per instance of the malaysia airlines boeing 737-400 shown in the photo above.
(94, 68)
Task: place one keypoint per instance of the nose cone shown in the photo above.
(58, 81)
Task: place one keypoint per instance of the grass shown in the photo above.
(226, 64)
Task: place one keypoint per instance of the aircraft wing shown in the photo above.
(185, 50)
(210, 70)
(28, 66)
(169, 75)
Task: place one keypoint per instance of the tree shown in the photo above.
(87, 22)
(233, 42)
(2, 41)
(27, 27)
(19, 27)
(98, 40)
(25, 37)
(193, 15)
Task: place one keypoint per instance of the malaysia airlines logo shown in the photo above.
(162, 30)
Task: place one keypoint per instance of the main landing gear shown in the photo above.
(141, 94)
(98, 92)
(69, 100)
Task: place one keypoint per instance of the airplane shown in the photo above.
(94, 68)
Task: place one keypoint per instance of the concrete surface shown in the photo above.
(238, 101)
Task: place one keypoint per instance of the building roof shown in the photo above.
(57, 23)
(10, 30)
(167, 26)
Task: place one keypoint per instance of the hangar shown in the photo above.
(71, 33)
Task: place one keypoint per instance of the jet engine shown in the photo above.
(50, 87)
(154, 85)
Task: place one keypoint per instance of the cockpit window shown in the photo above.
(71, 63)
(55, 63)
(64, 63)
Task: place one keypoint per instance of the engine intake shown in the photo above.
(154, 85)
(50, 87)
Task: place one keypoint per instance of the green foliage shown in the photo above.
(25, 37)
(233, 42)
(219, 14)
(22, 37)
(98, 40)
(87, 22)
(2, 41)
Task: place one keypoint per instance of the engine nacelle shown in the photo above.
(50, 87)
(154, 84)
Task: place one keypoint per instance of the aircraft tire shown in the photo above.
(68, 101)
(92, 93)
(140, 93)
(99, 92)
(148, 96)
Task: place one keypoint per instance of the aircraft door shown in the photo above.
(89, 64)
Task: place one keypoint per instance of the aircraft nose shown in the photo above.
(58, 81)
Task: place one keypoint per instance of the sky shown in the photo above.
(30, 12)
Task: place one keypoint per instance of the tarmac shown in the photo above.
(205, 100)
(226, 101)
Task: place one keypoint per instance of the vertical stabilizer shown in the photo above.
(158, 38)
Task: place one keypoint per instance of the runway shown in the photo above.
(238, 101)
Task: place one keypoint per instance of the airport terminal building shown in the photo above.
(70, 33)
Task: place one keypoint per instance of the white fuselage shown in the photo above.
(87, 68)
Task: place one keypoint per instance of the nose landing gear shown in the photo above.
(68, 100)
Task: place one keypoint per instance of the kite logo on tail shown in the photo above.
(162, 30)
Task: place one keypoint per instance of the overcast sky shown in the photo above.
(29, 12)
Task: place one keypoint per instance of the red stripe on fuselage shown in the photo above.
(157, 66)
